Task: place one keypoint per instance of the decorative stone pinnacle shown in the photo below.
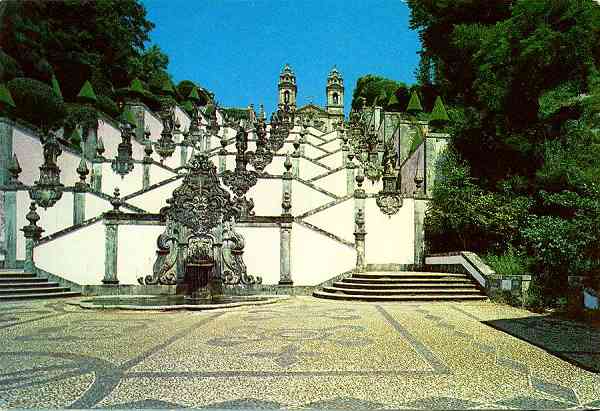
(147, 132)
(360, 178)
(148, 148)
(116, 202)
(100, 147)
(32, 230)
(83, 171)
(14, 168)
(177, 124)
(287, 163)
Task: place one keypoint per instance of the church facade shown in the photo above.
(321, 118)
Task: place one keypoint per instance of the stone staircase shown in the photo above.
(403, 286)
(19, 285)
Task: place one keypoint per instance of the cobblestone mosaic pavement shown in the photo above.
(299, 353)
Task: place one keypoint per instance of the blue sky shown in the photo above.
(236, 48)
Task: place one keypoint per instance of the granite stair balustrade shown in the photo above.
(403, 286)
(20, 285)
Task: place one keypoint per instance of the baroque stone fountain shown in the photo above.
(200, 252)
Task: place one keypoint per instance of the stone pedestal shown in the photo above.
(419, 231)
(111, 253)
(350, 171)
(10, 229)
(145, 175)
(222, 161)
(96, 177)
(285, 250)
(183, 154)
(78, 207)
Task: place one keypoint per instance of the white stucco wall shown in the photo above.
(389, 239)
(152, 201)
(316, 258)
(332, 145)
(54, 219)
(130, 183)
(312, 151)
(261, 253)
(306, 198)
(338, 220)
(77, 257)
(266, 195)
(29, 151)
(308, 169)
(333, 160)
(137, 251)
(94, 206)
(335, 183)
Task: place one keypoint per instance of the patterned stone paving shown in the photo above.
(300, 353)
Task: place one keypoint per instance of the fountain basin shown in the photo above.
(173, 302)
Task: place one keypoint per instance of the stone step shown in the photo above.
(408, 284)
(404, 291)
(406, 274)
(21, 284)
(34, 296)
(5, 280)
(399, 298)
(40, 290)
(5, 273)
(399, 281)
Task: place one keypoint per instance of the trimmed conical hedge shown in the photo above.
(56, 87)
(87, 93)
(5, 97)
(194, 96)
(414, 104)
(167, 88)
(438, 115)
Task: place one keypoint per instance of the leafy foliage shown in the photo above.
(522, 83)
(36, 103)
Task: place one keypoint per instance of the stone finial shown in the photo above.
(177, 124)
(32, 230)
(83, 172)
(14, 168)
(350, 156)
(116, 201)
(360, 178)
(100, 147)
(287, 163)
(148, 151)
(147, 132)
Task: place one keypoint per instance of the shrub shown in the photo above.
(9, 68)
(533, 298)
(509, 263)
(80, 115)
(36, 103)
(108, 106)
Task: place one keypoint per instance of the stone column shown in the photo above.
(285, 228)
(10, 228)
(350, 174)
(6, 149)
(145, 175)
(8, 198)
(419, 224)
(183, 151)
(111, 252)
(78, 207)
(285, 251)
(90, 143)
(359, 223)
(222, 160)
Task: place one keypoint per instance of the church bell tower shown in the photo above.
(287, 88)
(335, 92)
